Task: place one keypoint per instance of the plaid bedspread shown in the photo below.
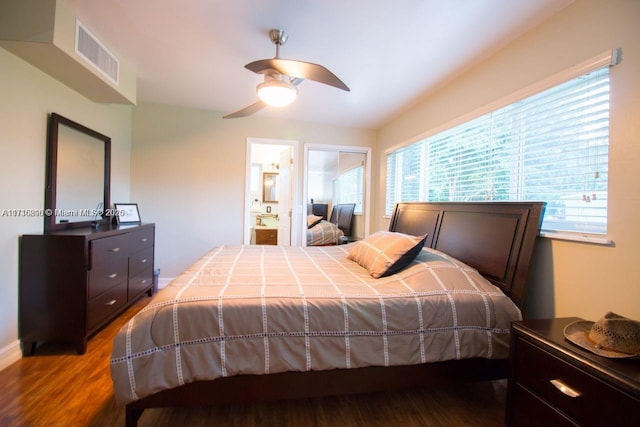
(324, 233)
(269, 309)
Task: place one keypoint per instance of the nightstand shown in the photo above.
(552, 382)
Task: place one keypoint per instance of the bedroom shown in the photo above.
(568, 276)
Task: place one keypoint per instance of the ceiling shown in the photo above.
(192, 53)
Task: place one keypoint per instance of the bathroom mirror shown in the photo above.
(269, 194)
(78, 175)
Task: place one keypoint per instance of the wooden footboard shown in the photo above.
(299, 385)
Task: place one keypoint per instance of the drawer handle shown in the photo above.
(110, 302)
(565, 389)
(144, 239)
(114, 250)
(143, 261)
(112, 276)
(143, 281)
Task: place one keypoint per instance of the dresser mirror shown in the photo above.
(78, 175)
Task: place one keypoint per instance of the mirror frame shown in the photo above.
(55, 121)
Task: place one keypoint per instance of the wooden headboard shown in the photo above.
(496, 238)
(342, 216)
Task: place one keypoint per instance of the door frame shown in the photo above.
(295, 187)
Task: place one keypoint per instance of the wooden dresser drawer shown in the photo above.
(265, 236)
(109, 264)
(141, 261)
(106, 305)
(141, 239)
(141, 282)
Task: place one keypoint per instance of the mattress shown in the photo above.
(269, 309)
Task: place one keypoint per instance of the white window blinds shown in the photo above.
(552, 147)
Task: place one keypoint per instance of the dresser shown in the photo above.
(74, 282)
(552, 382)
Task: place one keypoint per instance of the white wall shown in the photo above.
(569, 279)
(26, 97)
(188, 174)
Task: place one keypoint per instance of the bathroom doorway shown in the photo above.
(271, 192)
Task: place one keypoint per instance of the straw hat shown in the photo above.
(612, 336)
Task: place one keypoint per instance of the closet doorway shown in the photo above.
(271, 192)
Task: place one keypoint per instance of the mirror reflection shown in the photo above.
(337, 177)
(80, 176)
(269, 190)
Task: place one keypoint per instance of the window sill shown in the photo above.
(577, 238)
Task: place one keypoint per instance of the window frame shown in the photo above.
(604, 59)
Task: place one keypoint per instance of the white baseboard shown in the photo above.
(10, 354)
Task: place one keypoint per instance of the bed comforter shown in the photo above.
(268, 309)
(324, 233)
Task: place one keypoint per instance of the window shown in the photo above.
(348, 188)
(552, 146)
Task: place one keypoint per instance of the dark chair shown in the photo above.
(342, 216)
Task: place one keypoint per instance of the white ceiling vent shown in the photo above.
(93, 51)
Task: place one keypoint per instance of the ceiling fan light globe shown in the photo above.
(277, 93)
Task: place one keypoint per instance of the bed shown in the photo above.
(251, 355)
(321, 232)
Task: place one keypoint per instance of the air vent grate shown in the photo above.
(93, 51)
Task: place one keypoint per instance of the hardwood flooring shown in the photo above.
(56, 387)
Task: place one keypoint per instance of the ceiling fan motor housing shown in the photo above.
(278, 37)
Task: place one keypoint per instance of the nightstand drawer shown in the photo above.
(593, 402)
(531, 411)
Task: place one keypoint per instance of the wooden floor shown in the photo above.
(59, 388)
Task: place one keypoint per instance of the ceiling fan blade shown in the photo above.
(304, 70)
(246, 111)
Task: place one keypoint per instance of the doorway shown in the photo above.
(339, 174)
(271, 192)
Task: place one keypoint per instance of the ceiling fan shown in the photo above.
(281, 78)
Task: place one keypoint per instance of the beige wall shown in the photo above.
(188, 174)
(26, 97)
(569, 279)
